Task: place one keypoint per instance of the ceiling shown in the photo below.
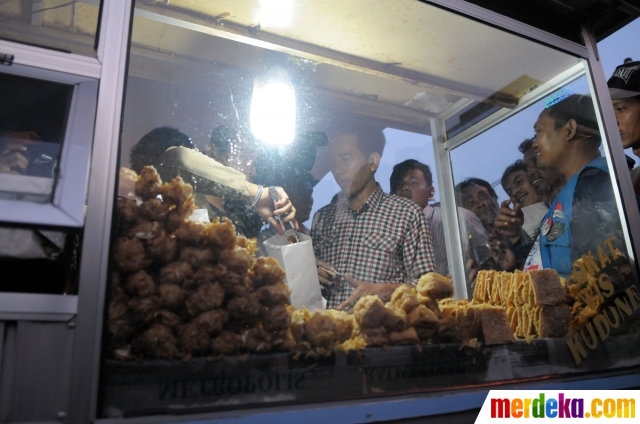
(399, 62)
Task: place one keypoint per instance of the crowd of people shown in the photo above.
(561, 207)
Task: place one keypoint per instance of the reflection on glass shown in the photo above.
(68, 26)
(560, 214)
(32, 129)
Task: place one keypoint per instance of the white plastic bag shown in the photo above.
(200, 215)
(299, 264)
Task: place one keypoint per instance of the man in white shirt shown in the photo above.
(413, 180)
(524, 197)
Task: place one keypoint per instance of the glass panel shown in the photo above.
(32, 130)
(548, 203)
(231, 95)
(69, 26)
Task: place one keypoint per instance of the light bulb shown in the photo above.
(275, 13)
(273, 110)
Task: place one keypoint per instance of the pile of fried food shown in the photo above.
(182, 288)
(534, 302)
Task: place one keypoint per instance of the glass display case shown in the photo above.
(230, 96)
(457, 161)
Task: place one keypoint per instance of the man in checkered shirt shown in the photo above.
(374, 241)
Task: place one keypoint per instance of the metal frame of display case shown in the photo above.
(68, 190)
(111, 68)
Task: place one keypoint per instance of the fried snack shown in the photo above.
(369, 312)
(405, 298)
(283, 340)
(235, 284)
(395, 319)
(430, 303)
(546, 286)
(193, 340)
(148, 183)
(245, 308)
(175, 273)
(221, 234)
(274, 295)
(140, 284)
(196, 256)
(354, 343)
(207, 297)
(256, 340)
(237, 260)
(226, 343)
(212, 321)
(344, 324)
(162, 248)
(435, 286)
(210, 274)
(192, 232)
(448, 331)
(119, 322)
(276, 318)
(158, 341)
(299, 317)
(375, 336)
(177, 192)
(582, 316)
(146, 230)
(266, 272)
(175, 218)
(127, 183)
(172, 295)
(554, 321)
(167, 318)
(129, 255)
(144, 309)
(495, 326)
(127, 210)
(425, 321)
(320, 330)
(153, 210)
(404, 338)
(251, 245)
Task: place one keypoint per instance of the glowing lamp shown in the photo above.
(273, 108)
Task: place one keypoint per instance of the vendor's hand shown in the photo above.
(265, 207)
(509, 221)
(504, 257)
(382, 290)
(323, 276)
(11, 160)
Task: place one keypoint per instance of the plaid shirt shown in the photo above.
(387, 241)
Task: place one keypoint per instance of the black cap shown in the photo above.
(625, 81)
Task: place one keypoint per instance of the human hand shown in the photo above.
(11, 160)
(327, 274)
(362, 288)
(265, 207)
(504, 257)
(509, 221)
(471, 267)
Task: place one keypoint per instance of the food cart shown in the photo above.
(455, 84)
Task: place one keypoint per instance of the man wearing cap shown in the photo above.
(624, 88)
(583, 221)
